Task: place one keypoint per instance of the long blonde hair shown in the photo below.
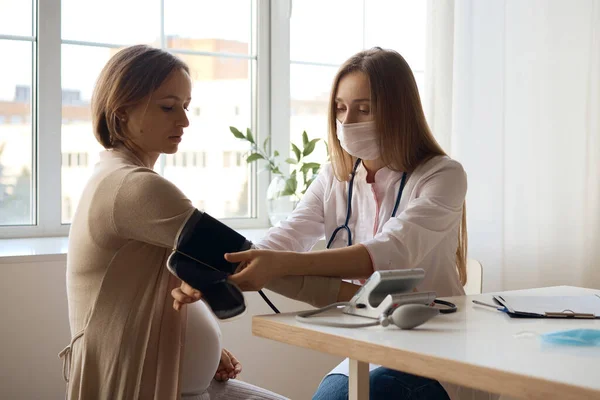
(405, 139)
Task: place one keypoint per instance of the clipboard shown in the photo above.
(586, 307)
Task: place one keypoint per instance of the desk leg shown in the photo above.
(358, 380)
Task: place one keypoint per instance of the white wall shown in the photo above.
(34, 329)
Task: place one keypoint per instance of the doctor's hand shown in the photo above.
(184, 294)
(259, 267)
(229, 367)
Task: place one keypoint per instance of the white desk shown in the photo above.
(477, 347)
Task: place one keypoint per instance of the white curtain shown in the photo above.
(513, 92)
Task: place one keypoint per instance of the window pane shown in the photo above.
(309, 102)
(406, 19)
(208, 25)
(326, 31)
(16, 17)
(112, 21)
(81, 66)
(16, 135)
(221, 97)
(201, 154)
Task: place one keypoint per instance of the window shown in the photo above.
(250, 61)
(222, 58)
(67, 206)
(22, 94)
(392, 24)
(200, 159)
(17, 169)
(227, 156)
(183, 159)
(74, 160)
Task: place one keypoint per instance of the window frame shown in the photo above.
(270, 117)
(272, 18)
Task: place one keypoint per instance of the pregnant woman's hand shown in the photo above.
(229, 367)
(184, 294)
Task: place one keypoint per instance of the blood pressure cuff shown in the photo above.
(198, 260)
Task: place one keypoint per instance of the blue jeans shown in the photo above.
(384, 383)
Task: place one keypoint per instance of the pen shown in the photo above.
(481, 303)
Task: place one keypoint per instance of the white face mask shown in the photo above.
(360, 140)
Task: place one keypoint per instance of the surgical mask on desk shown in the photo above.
(574, 337)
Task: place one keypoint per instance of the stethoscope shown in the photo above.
(450, 307)
(345, 226)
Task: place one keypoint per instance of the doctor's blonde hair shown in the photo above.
(405, 139)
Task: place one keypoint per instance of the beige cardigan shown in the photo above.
(127, 339)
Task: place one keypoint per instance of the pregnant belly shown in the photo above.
(202, 350)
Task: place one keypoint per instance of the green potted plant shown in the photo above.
(284, 188)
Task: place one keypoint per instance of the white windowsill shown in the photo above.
(55, 248)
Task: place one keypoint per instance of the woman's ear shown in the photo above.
(121, 115)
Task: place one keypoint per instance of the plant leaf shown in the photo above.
(309, 166)
(304, 139)
(249, 136)
(296, 151)
(291, 184)
(310, 147)
(313, 165)
(275, 153)
(291, 161)
(236, 132)
(265, 143)
(254, 157)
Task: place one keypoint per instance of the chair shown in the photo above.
(474, 277)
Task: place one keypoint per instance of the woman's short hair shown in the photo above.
(129, 76)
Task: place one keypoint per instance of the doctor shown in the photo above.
(390, 199)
